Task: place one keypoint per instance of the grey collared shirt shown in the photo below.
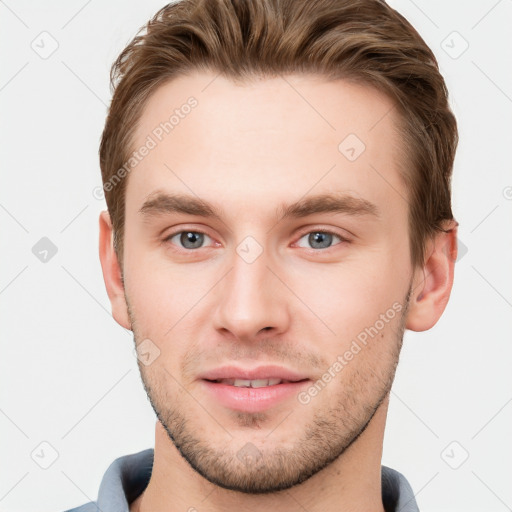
(128, 476)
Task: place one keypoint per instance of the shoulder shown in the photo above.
(125, 479)
(86, 507)
(397, 493)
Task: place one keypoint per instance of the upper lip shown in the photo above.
(261, 372)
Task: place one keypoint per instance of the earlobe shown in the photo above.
(112, 272)
(432, 283)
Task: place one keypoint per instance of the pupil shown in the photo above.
(320, 240)
(191, 240)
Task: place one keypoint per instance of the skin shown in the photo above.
(248, 150)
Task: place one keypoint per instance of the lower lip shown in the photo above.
(253, 399)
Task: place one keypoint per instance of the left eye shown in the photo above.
(189, 239)
(319, 240)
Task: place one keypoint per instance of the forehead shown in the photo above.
(273, 138)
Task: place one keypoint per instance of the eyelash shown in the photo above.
(342, 239)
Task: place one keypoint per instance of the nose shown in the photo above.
(251, 301)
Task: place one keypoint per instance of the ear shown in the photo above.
(432, 283)
(112, 272)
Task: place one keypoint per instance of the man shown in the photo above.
(277, 175)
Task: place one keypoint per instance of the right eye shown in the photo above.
(188, 239)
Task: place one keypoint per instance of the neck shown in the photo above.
(352, 483)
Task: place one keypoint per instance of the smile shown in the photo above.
(256, 383)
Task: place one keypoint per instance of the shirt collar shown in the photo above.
(129, 475)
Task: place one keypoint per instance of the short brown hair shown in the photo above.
(359, 40)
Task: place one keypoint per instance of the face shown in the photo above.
(262, 243)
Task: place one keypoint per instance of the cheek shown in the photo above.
(358, 283)
(164, 287)
(348, 298)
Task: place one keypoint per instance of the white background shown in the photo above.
(68, 373)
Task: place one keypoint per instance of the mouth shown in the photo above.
(253, 390)
(256, 383)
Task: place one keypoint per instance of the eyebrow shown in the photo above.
(161, 203)
(329, 203)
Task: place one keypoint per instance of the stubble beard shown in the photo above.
(251, 470)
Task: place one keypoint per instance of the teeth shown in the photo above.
(256, 383)
(242, 383)
(261, 383)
